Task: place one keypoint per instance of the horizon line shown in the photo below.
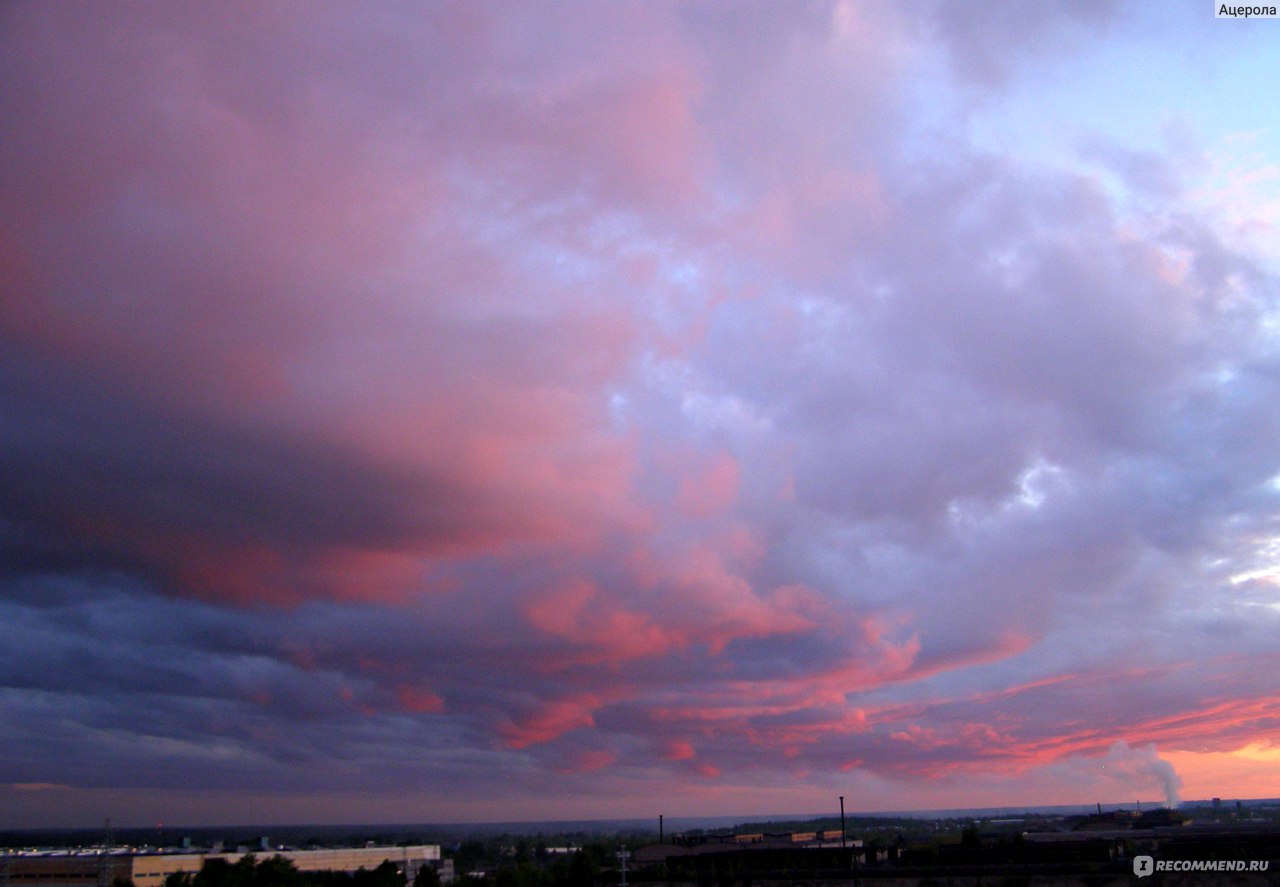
(925, 813)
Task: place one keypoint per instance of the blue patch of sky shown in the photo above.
(1169, 82)
(1165, 66)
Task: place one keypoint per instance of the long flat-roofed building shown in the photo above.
(87, 869)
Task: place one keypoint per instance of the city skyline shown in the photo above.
(489, 411)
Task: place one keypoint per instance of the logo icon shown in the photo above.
(1143, 866)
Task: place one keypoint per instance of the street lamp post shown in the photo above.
(623, 856)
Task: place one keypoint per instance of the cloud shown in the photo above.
(647, 396)
(38, 787)
(986, 44)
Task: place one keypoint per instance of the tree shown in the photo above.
(427, 876)
(581, 871)
(242, 870)
(278, 871)
(216, 872)
(385, 875)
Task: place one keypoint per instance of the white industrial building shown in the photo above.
(101, 868)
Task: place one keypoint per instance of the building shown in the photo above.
(101, 869)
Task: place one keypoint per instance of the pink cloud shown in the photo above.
(679, 750)
(598, 627)
(590, 760)
(713, 491)
(418, 700)
(550, 720)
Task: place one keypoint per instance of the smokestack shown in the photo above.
(1099, 808)
(659, 828)
(842, 822)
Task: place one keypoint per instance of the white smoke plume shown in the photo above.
(1124, 774)
(1142, 768)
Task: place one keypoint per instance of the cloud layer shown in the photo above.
(462, 410)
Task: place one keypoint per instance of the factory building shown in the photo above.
(101, 869)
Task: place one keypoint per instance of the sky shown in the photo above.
(503, 411)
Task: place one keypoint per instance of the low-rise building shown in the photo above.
(101, 869)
